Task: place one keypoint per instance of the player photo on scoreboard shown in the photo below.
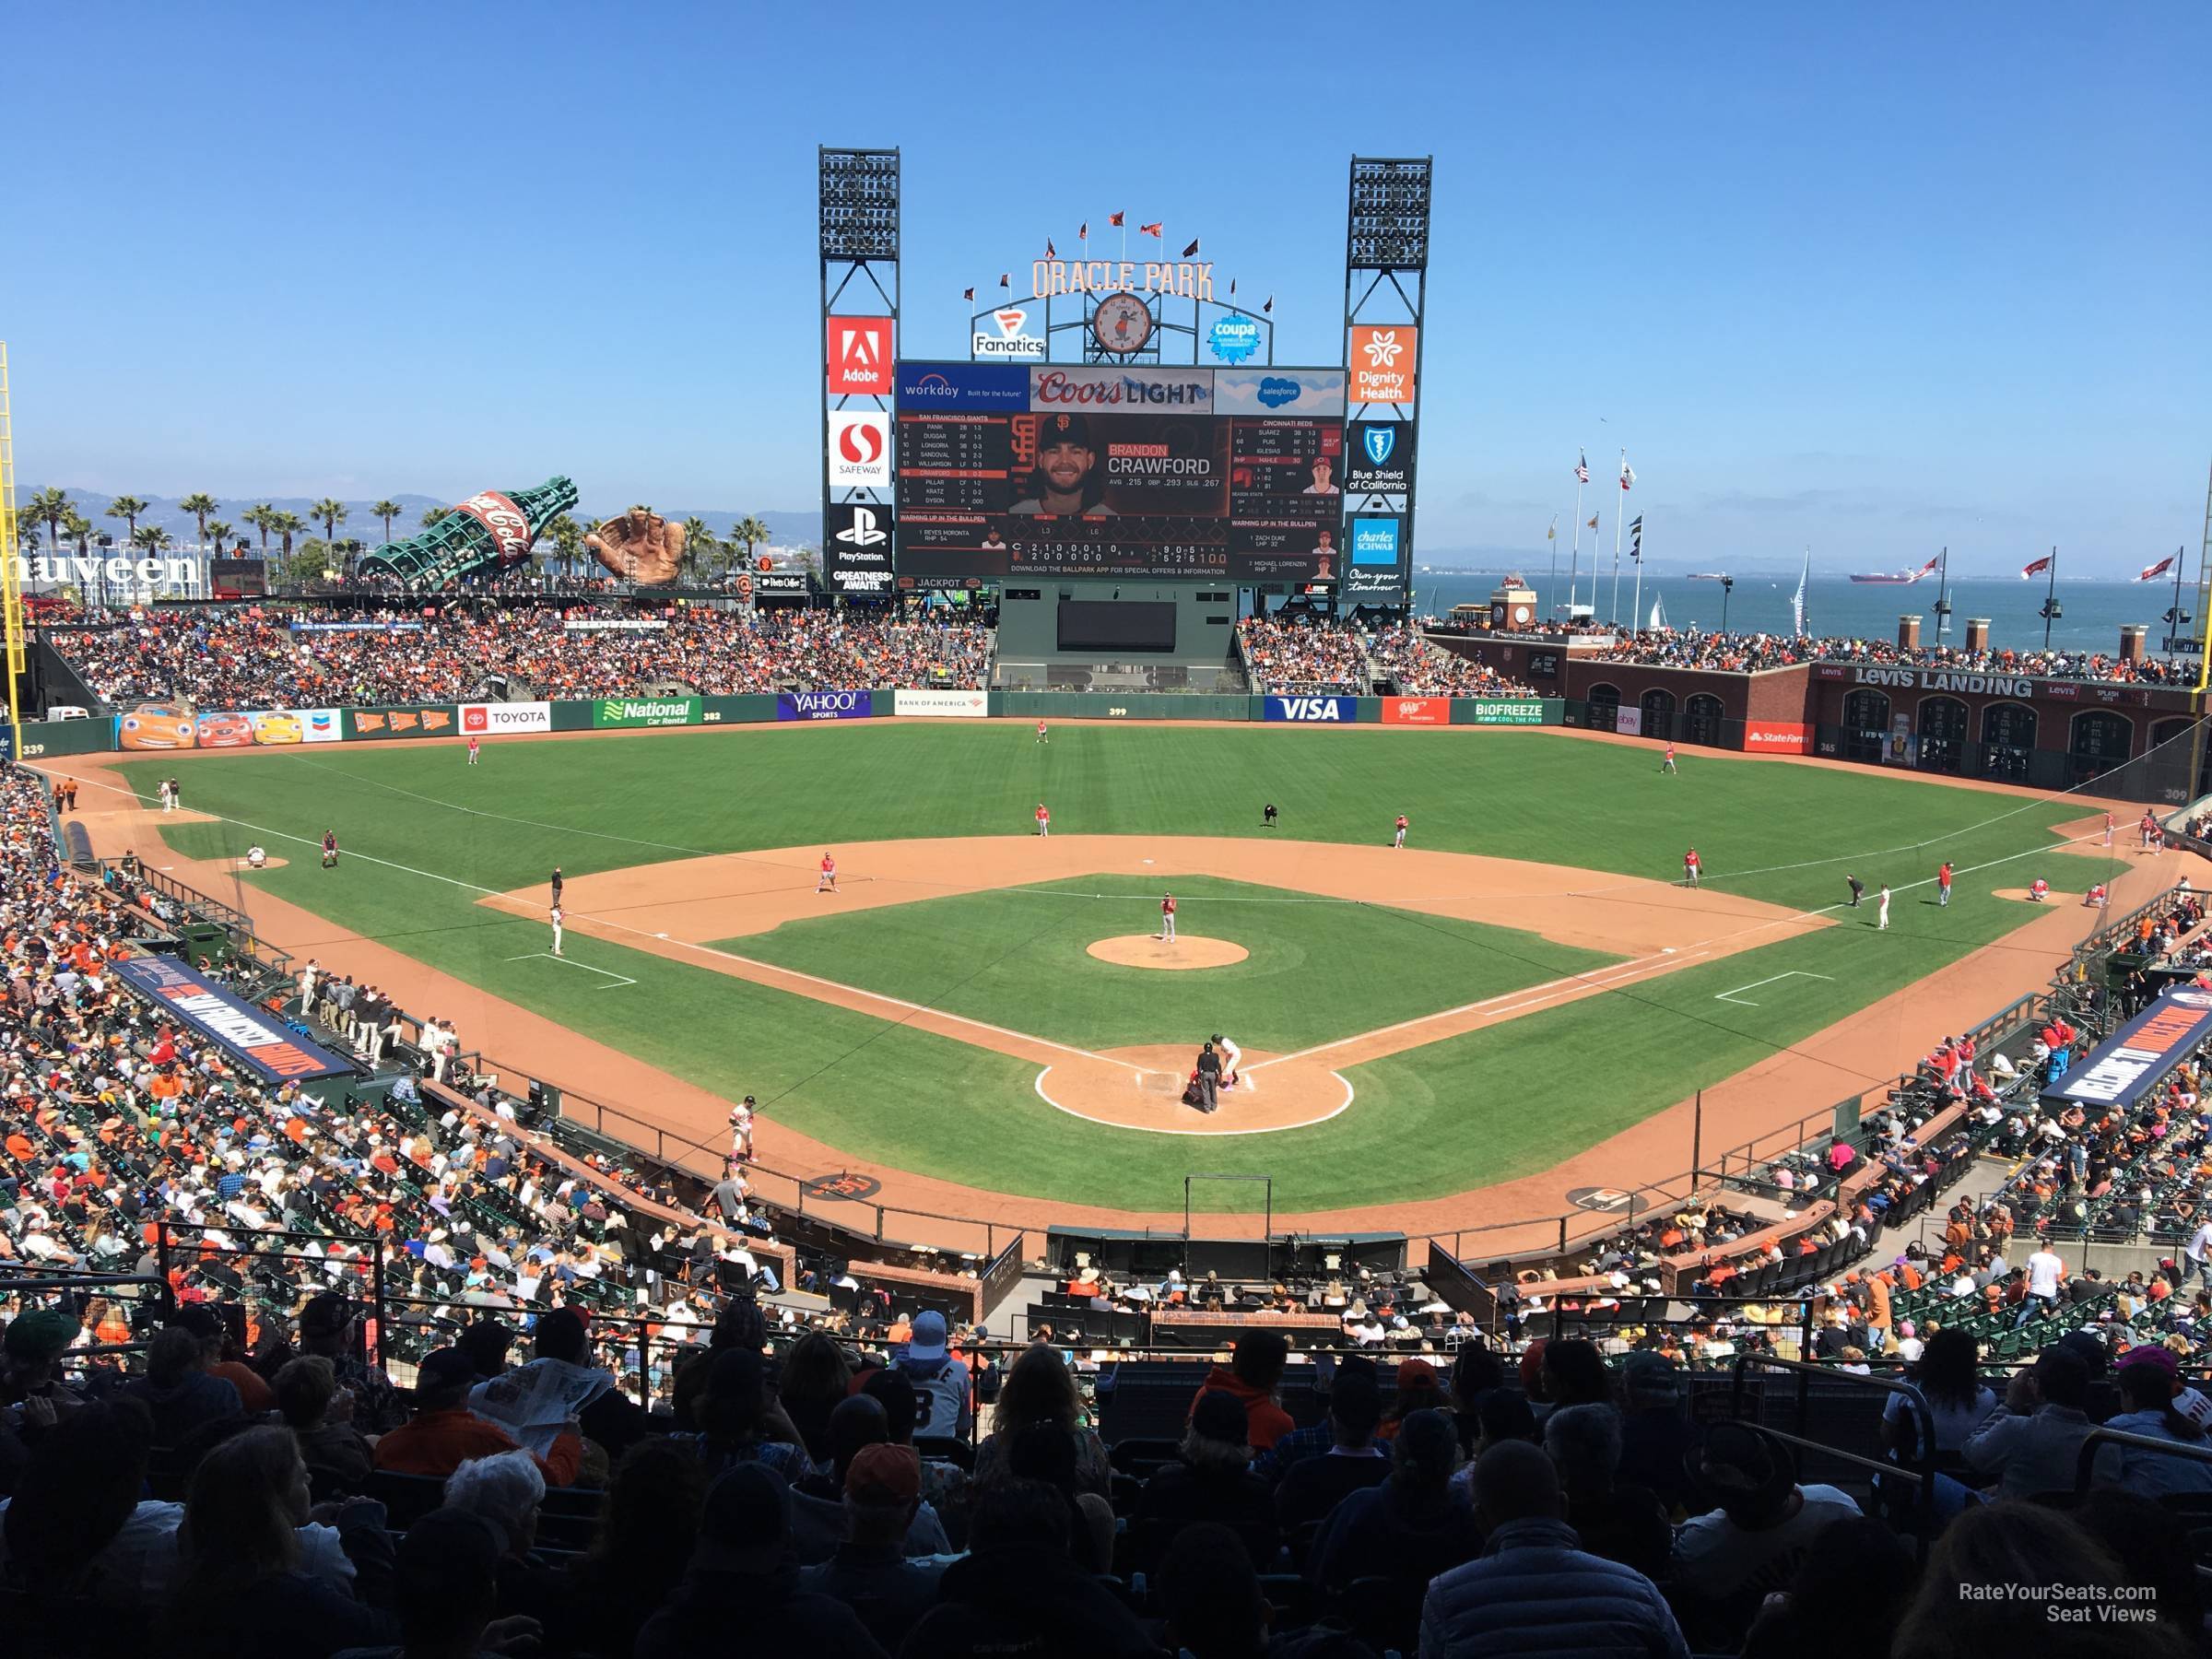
(1073, 465)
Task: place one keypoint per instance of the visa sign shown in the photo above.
(1315, 711)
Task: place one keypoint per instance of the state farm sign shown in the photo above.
(1775, 738)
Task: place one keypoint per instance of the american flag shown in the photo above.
(1581, 466)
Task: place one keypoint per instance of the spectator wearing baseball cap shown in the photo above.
(741, 1577)
(939, 1376)
(871, 1572)
(1211, 1479)
(327, 1327)
(443, 1433)
(1656, 1435)
(1410, 1527)
(1316, 1485)
(1760, 1529)
(2155, 1404)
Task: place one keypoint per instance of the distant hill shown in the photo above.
(785, 529)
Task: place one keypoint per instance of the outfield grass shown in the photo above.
(1317, 968)
(426, 836)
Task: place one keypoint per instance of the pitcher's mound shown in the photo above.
(2026, 897)
(1146, 950)
(267, 863)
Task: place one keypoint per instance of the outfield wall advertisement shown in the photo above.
(942, 705)
(495, 719)
(1313, 711)
(825, 705)
(633, 711)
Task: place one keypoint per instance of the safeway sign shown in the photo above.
(859, 356)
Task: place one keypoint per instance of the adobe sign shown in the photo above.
(859, 356)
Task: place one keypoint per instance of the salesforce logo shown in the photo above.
(1274, 391)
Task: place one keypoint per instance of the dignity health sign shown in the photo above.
(254, 1037)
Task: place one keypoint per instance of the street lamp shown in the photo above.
(1728, 587)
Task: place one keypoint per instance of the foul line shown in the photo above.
(1731, 996)
(533, 956)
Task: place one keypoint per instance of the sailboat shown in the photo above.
(1658, 613)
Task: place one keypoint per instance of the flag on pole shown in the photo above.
(1232, 288)
(968, 294)
(1928, 569)
(1268, 309)
(1151, 229)
(1636, 540)
(1594, 521)
(1552, 534)
(1797, 599)
(1627, 477)
(1191, 250)
(1051, 251)
(1581, 466)
(2160, 569)
(1083, 231)
(1005, 280)
(2037, 567)
(1117, 219)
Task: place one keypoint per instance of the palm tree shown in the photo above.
(49, 507)
(386, 509)
(430, 516)
(217, 532)
(697, 541)
(261, 515)
(199, 503)
(127, 509)
(332, 512)
(151, 540)
(752, 532)
(287, 524)
(568, 541)
(78, 528)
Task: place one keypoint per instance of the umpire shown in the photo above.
(1209, 1079)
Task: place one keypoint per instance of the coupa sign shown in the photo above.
(825, 705)
(116, 573)
(1315, 711)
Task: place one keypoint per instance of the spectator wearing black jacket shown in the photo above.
(1316, 1485)
(1211, 1479)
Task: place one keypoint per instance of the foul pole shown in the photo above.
(11, 590)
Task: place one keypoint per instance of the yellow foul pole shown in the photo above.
(11, 589)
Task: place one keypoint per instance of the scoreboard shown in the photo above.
(1012, 470)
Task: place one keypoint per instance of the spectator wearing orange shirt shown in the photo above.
(443, 1433)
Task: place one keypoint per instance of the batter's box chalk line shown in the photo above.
(1737, 997)
(546, 955)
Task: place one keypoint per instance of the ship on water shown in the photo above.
(1902, 578)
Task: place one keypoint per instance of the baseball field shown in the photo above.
(981, 1007)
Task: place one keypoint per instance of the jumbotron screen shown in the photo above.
(1032, 469)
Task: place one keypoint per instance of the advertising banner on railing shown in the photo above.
(1315, 711)
(436, 720)
(492, 720)
(623, 711)
(2136, 1059)
(942, 705)
(253, 1037)
(825, 705)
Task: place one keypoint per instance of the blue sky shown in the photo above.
(1876, 277)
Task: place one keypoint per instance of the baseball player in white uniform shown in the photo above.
(1233, 1059)
(557, 917)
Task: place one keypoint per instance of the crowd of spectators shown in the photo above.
(1324, 656)
(1748, 652)
(254, 657)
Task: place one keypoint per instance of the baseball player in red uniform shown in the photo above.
(1167, 917)
(1042, 735)
(1044, 820)
(1943, 883)
(1691, 867)
(1668, 765)
(826, 881)
(472, 749)
(1399, 839)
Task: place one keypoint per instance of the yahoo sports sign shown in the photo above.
(825, 705)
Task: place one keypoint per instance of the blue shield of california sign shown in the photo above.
(1380, 458)
(1379, 442)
